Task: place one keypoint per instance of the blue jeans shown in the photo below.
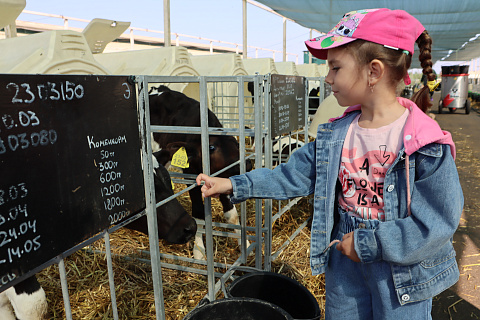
(365, 291)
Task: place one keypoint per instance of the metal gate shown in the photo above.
(244, 115)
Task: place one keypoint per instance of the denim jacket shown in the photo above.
(418, 246)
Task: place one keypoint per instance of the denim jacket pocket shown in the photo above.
(427, 278)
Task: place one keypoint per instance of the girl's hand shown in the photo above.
(347, 247)
(214, 186)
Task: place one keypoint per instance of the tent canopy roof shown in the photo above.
(453, 25)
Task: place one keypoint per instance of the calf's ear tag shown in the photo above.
(180, 159)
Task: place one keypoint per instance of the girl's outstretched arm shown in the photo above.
(214, 186)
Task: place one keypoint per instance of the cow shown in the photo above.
(174, 224)
(314, 98)
(27, 301)
(24, 301)
(313, 101)
(173, 108)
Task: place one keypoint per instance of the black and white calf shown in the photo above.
(24, 301)
(174, 224)
(27, 300)
(172, 108)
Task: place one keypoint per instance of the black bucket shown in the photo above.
(238, 309)
(277, 289)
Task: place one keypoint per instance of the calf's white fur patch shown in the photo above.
(26, 306)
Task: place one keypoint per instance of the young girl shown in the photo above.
(387, 193)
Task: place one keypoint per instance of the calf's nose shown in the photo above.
(191, 228)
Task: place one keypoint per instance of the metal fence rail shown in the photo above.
(252, 120)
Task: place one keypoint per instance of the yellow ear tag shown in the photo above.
(318, 94)
(180, 159)
(173, 186)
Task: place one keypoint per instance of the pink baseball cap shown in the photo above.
(394, 29)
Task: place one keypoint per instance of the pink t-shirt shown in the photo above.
(367, 154)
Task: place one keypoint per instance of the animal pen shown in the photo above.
(275, 117)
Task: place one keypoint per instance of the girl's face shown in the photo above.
(349, 82)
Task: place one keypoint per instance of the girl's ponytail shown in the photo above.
(424, 43)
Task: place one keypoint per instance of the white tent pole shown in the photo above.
(284, 39)
(244, 11)
(166, 23)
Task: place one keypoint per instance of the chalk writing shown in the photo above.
(20, 236)
(22, 118)
(7, 277)
(68, 170)
(105, 142)
(25, 140)
(288, 102)
(110, 177)
(64, 91)
(13, 192)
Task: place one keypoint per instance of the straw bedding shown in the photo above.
(88, 276)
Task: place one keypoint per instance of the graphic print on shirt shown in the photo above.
(361, 177)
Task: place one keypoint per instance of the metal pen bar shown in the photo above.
(243, 205)
(185, 259)
(218, 131)
(170, 79)
(268, 163)
(282, 210)
(175, 129)
(227, 234)
(218, 284)
(144, 118)
(111, 280)
(258, 156)
(165, 264)
(306, 112)
(207, 201)
(195, 79)
(64, 282)
(190, 178)
(231, 226)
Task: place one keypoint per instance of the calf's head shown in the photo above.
(172, 108)
(174, 224)
(223, 151)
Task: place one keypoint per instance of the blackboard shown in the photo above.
(70, 164)
(288, 103)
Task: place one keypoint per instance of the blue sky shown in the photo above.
(214, 19)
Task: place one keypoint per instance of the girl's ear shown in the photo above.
(376, 71)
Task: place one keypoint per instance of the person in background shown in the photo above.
(430, 82)
(387, 197)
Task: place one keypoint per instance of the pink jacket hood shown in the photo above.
(420, 130)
